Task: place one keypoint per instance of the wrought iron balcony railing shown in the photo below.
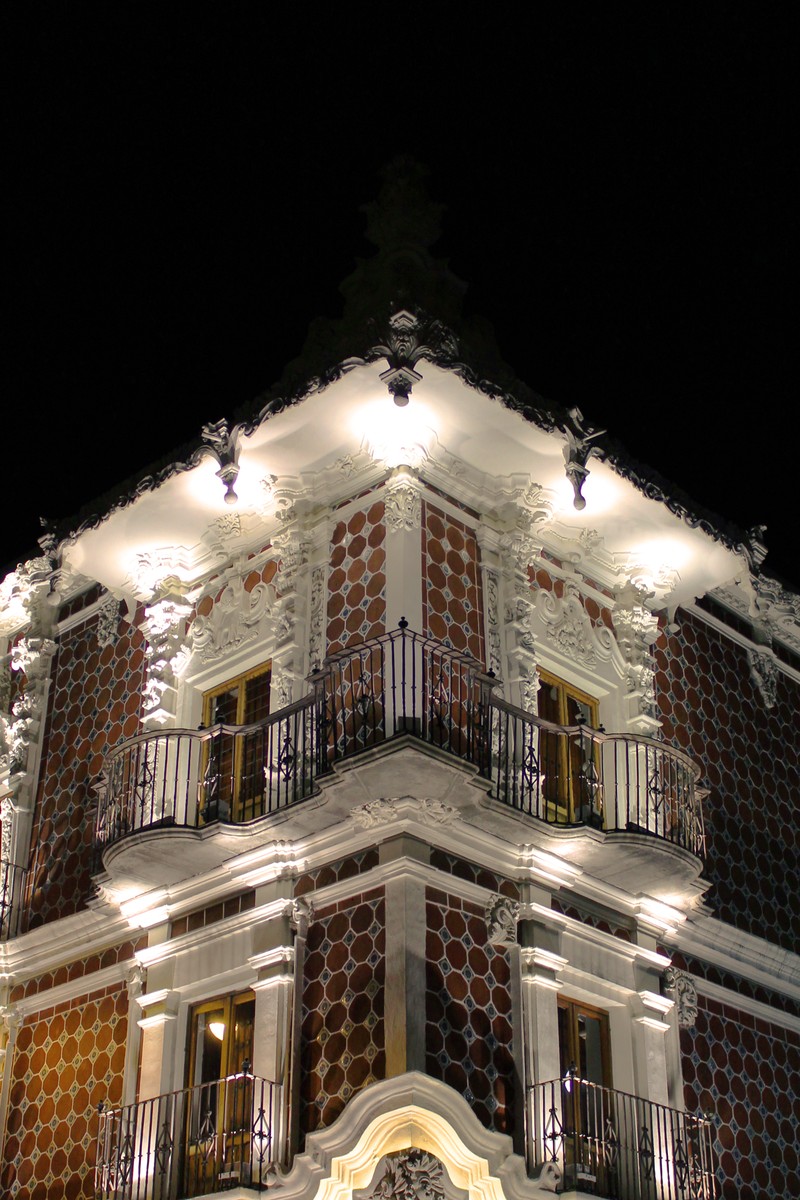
(610, 1143)
(187, 778)
(194, 1142)
(401, 684)
(575, 775)
(12, 884)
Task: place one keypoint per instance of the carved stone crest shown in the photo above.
(681, 987)
(502, 915)
(410, 1175)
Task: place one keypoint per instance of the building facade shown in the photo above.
(400, 795)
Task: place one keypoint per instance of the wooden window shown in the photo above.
(584, 1041)
(220, 1112)
(234, 762)
(239, 701)
(586, 1105)
(571, 765)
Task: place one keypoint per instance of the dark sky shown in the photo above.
(621, 184)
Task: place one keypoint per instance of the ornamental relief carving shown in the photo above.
(232, 622)
(403, 508)
(410, 1175)
(569, 626)
(108, 622)
(316, 634)
(502, 915)
(380, 812)
(765, 674)
(681, 987)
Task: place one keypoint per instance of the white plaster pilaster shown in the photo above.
(404, 582)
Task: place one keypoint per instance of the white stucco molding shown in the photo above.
(409, 1110)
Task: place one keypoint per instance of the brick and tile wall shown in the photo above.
(76, 969)
(750, 758)
(452, 592)
(66, 1061)
(747, 1072)
(357, 580)
(343, 1044)
(95, 702)
(468, 1021)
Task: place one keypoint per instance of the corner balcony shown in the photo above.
(597, 1141)
(200, 1141)
(606, 790)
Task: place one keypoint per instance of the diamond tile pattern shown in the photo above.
(357, 580)
(596, 922)
(95, 702)
(342, 1031)
(452, 595)
(750, 756)
(468, 1009)
(747, 1072)
(462, 869)
(66, 1061)
(345, 868)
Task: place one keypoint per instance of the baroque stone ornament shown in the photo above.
(502, 914)
(765, 674)
(493, 634)
(568, 625)
(681, 987)
(316, 632)
(164, 628)
(410, 1175)
(577, 451)
(108, 622)
(300, 912)
(403, 508)
(636, 628)
(232, 621)
(380, 812)
(223, 444)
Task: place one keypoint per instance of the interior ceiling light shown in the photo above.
(217, 1029)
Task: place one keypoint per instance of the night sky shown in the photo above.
(621, 191)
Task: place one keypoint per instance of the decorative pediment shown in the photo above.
(569, 627)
